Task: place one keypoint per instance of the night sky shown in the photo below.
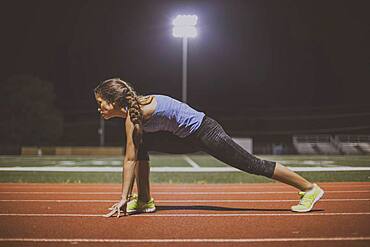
(249, 56)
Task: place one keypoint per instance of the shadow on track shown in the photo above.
(216, 208)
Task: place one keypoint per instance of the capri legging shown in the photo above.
(211, 138)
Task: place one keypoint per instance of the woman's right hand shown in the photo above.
(118, 208)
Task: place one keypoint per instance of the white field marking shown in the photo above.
(89, 162)
(194, 215)
(328, 169)
(176, 193)
(171, 169)
(180, 201)
(186, 240)
(323, 163)
(306, 162)
(190, 161)
(67, 162)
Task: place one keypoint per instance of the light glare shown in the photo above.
(180, 32)
(184, 26)
(185, 20)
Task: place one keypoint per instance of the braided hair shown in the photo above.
(122, 93)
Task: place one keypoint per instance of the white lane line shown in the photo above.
(179, 201)
(59, 201)
(268, 185)
(53, 215)
(171, 169)
(191, 162)
(252, 192)
(193, 215)
(188, 240)
(177, 193)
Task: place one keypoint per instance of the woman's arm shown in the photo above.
(128, 174)
(130, 161)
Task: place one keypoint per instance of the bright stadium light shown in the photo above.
(185, 20)
(184, 27)
(180, 32)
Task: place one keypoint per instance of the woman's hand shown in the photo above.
(118, 208)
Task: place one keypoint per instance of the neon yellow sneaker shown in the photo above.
(136, 206)
(308, 199)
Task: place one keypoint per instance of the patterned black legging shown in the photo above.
(211, 138)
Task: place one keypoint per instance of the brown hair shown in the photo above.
(122, 93)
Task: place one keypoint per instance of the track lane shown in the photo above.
(183, 227)
(296, 243)
(182, 207)
(196, 226)
(177, 187)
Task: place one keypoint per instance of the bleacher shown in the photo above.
(315, 144)
(327, 144)
(304, 148)
(365, 147)
(327, 148)
(353, 144)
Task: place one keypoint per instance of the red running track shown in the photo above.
(188, 215)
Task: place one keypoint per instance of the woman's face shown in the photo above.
(109, 110)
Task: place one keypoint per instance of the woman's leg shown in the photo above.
(216, 142)
(162, 142)
(142, 171)
(284, 175)
(142, 180)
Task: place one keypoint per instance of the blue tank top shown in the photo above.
(173, 116)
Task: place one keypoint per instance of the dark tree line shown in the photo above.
(28, 115)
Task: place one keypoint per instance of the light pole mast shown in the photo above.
(184, 27)
(184, 68)
(101, 132)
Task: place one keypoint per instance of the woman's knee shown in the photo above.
(142, 154)
(242, 160)
(262, 167)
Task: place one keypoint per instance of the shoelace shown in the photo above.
(132, 196)
(304, 199)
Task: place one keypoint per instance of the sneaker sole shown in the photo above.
(313, 204)
(147, 210)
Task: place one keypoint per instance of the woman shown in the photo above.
(161, 123)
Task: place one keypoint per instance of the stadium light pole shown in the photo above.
(101, 132)
(184, 27)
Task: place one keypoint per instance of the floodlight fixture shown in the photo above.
(184, 26)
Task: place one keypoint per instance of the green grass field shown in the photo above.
(159, 160)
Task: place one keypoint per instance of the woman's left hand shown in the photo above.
(118, 208)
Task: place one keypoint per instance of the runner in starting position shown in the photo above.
(161, 123)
